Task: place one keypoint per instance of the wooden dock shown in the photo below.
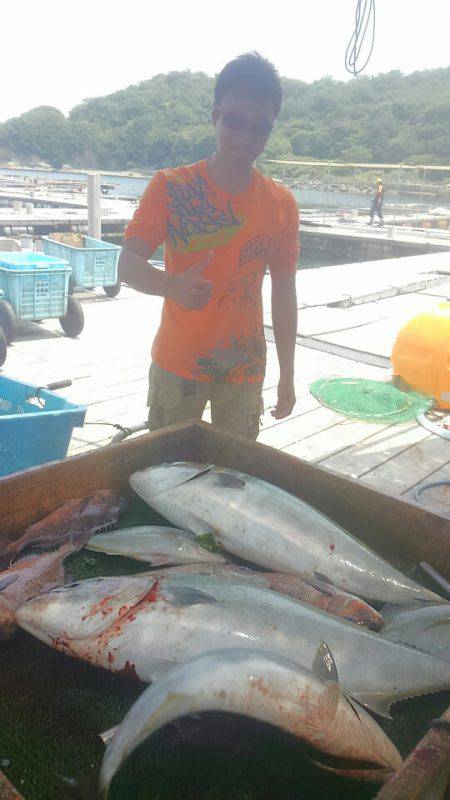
(353, 336)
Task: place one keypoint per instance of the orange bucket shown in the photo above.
(421, 354)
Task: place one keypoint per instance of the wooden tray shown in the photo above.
(402, 532)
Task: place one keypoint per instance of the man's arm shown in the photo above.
(284, 320)
(188, 289)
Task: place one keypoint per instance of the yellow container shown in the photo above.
(421, 354)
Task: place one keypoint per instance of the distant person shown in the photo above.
(222, 223)
(376, 206)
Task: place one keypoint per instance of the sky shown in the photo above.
(58, 53)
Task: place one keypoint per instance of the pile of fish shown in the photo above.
(255, 603)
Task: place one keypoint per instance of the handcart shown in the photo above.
(34, 287)
(93, 261)
(35, 424)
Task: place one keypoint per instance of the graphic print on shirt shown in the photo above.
(195, 223)
(242, 358)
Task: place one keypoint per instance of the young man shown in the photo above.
(222, 223)
(377, 203)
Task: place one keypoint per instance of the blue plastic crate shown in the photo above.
(31, 434)
(26, 260)
(95, 264)
(36, 294)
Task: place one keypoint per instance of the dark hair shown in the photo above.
(252, 75)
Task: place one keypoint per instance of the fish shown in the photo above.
(85, 516)
(156, 545)
(269, 527)
(265, 686)
(426, 628)
(28, 577)
(307, 588)
(142, 627)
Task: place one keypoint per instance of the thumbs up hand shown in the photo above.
(190, 289)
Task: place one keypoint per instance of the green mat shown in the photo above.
(373, 401)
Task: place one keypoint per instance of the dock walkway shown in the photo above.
(108, 365)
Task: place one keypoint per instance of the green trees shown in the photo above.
(166, 121)
(42, 133)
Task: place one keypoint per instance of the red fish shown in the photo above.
(307, 588)
(321, 594)
(29, 577)
(86, 516)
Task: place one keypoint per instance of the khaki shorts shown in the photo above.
(234, 407)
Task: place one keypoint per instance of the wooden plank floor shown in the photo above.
(109, 362)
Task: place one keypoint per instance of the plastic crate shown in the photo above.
(93, 265)
(26, 260)
(29, 433)
(36, 293)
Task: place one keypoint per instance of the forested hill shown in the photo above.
(165, 121)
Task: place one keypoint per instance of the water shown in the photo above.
(126, 186)
(306, 198)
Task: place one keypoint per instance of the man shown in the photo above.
(222, 223)
(377, 203)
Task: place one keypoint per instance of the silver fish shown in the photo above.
(268, 687)
(306, 588)
(426, 628)
(154, 544)
(143, 627)
(267, 526)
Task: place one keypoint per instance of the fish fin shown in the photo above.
(319, 583)
(208, 542)
(321, 577)
(323, 666)
(228, 480)
(5, 582)
(375, 702)
(199, 474)
(325, 670)
(370, 775)
(438, 623)
(135, 480)
(186, 596)
(108, 735)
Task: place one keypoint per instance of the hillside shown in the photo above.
(165, 120)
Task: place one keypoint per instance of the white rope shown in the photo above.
(364, 22)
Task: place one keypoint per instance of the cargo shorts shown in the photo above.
(234, 407)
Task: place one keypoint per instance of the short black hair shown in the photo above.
(252, 75)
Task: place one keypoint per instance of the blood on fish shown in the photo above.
(332, 546)
(428, 756)
(129, 671)
(100, 608)
(110, 657)
(152, 595)
(61, 644)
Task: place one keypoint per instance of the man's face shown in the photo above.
(243, 126)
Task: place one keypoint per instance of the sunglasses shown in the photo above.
(234, 122)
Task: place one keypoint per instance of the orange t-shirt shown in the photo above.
(185, 209)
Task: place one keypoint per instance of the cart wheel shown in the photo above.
(3, 347)
(113, 291)
(8, 320)
(73, 323)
